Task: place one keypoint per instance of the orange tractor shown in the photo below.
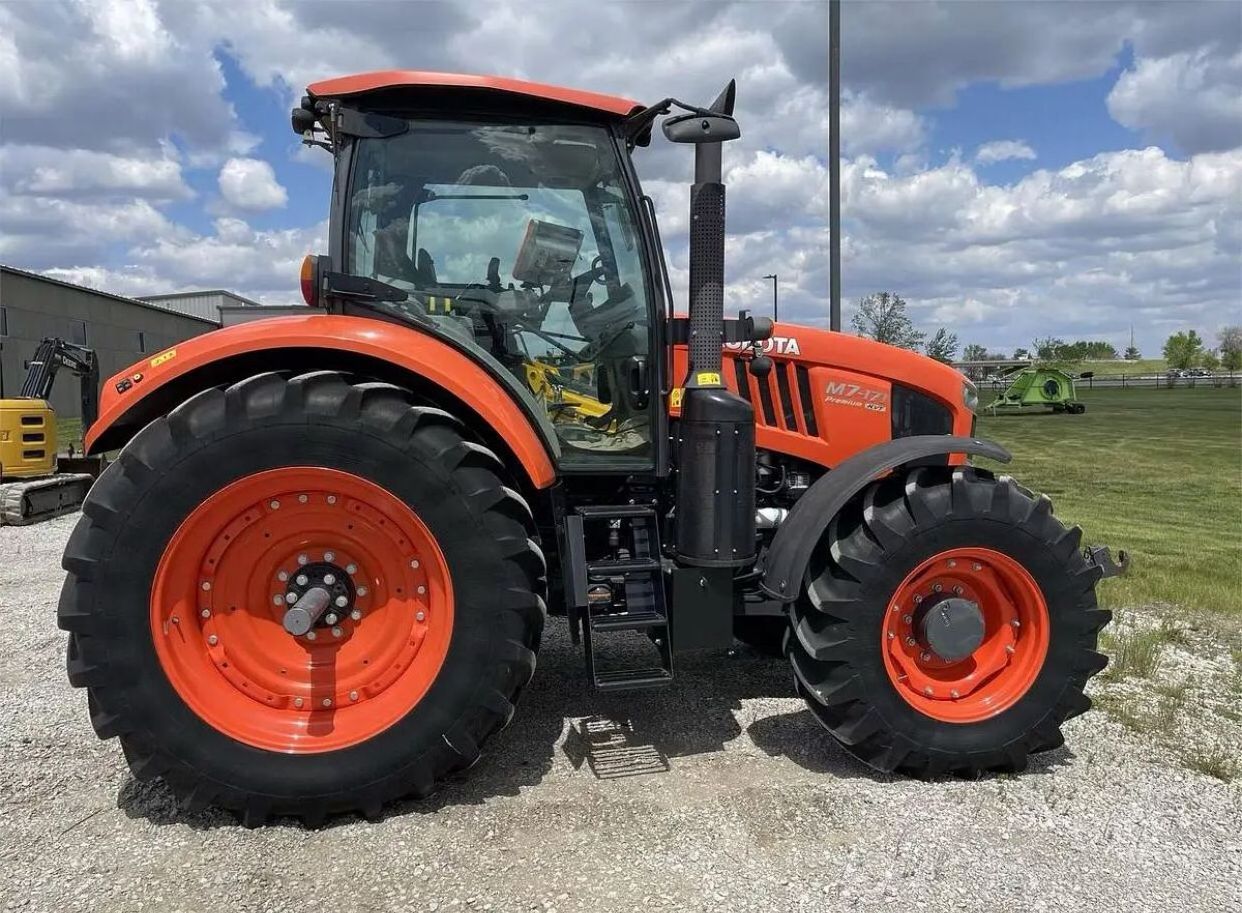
(316, 577)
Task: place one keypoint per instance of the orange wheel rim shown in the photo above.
(223, 586)
(1011, 648)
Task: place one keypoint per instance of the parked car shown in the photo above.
(1198, 372)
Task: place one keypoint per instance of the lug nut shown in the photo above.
(937, 588)
(327, 702)
(213, 640)
(420, 616)
(925, 657)
(297, 702)
(311, 635)
(356, 615)
(342, 601)
(329, 579)
(891, 635)
(362, 591)
(976, 566)
(301, 579)
(928, 691)
(353, 695)
(329, 556)
(274, 505)
(278, 600)
(282, 576)
(336, 632)
(331, 618)
(206, 613)
(908, 619)
(302, 499)
(952, 563)
(910, 641)
(1009, 649)
(302, 559)
(1016, 623)
(422, 590)
(331, 499)
(206, 585)
(351, 569)
(957, 591)
(918, 597)
(414, 564)
(291, 598)
(954, 693)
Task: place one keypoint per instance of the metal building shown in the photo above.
(206, 304)
(120, 330)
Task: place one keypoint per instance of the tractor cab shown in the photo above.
(510, 224)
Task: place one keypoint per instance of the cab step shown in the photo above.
(617, 594)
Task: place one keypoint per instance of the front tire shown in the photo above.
(192, 540)
(861, 658)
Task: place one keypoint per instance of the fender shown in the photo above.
(787, 558)
(130, 399)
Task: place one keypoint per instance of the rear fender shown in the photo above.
(391, 352)
(786, 560)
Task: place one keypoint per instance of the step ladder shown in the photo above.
(616, 595)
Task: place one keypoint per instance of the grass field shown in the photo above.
(1156, 472)
(1119, 366)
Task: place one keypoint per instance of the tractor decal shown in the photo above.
(778, 345)
(856, 395)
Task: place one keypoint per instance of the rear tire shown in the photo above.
(420, 464)
(846, 644)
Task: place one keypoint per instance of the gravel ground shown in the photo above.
(719, 794)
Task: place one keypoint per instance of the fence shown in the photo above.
(1156, 381)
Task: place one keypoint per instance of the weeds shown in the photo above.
(1214, 762)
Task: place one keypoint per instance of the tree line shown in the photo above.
(882, 316)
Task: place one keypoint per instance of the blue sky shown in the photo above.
(1009, 167)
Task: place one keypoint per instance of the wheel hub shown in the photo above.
(952, 627)
(305, 609)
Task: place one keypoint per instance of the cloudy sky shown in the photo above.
(1010, 168)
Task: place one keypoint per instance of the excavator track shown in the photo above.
(36, 500)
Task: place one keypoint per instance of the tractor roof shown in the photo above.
(418, 82)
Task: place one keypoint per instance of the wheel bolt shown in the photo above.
(976, 566)
(952, 563)
(891, 635)
(351, 569)
(302, 499)
(291, 598)
(954, 693)
(925, 657)
(1009, 649)
(1016, 623)
(414, 564)
(356, 615)
(311, 635)
(206, 613)
(329, 556)
(910, 641)
(422, 590)
(331, 618)
(937, 588)
(362, 591)
(278, 600)
(206, 585)
(302, 559)
(957, 591)
(928, 691)
(274, 505)
(336, 632)
(302, 579)
(297, 702)
(918, 598)
(353, 695)
(282, 576)
(908, 619)
(327, 702)
(213, 640)
(329, 579)
(342, 601)
(420, 616)
(331, 499)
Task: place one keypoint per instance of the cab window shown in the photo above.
(522, 242)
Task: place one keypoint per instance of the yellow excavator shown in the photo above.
(35, 483)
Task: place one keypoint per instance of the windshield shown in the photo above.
(519, 241)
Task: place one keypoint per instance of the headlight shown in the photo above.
(970, 396)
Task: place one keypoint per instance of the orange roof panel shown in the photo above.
(389, 79)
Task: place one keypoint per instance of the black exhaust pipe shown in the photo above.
(716, 434)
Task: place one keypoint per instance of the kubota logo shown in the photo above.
(844, 393)
(780, 345)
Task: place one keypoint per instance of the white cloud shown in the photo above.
(1003, 150)
(1195, 99)
(251, 184)
(48, 171)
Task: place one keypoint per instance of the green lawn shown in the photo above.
(1120, 366)
(1156, 472)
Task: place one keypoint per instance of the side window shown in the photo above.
(142, 343)
(4, 321)
(77, 332)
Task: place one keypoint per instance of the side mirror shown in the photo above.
(701, 128)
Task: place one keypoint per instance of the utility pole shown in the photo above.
(834, 162)
(775, 311)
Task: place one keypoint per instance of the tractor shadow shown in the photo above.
(613, 736)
